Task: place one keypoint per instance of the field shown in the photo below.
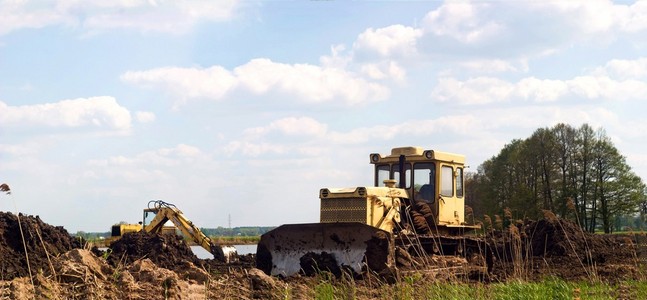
(544, 259)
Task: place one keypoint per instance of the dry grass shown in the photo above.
(5, 188)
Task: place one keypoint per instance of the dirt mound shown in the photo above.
(42, 242)
(165, 250)
(554, 246)
(564, 238)
(79, 274)
(90, 276)
(554, 237)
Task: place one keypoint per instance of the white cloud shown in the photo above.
(635, 17)
(492, 66)
(260, 141)
(384, 70)
(163, 157)
(624, 68)
(102, 112)
(303, 126)
(394, 40)
(97, 15)
(308, 83)
(462, 21)
(254, 149)
(145, 116)
(337, 58)
(602, 87)
(186, 83)
(19, 149)
(599, 16)
(16, 15)
(527, 28)
(493, 41)
(540, 90)
(480, 90)
(315, 136)
(286, 135)
(484, 90)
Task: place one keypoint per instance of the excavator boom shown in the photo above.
(168, 212)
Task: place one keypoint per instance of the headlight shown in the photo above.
(361, 191)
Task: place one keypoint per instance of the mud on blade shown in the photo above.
(334, 247)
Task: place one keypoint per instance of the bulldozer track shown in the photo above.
(475, 251)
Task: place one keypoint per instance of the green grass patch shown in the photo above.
(455, 291)
(548, 289)
(415, 287)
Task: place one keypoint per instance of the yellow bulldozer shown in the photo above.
(415, 212)
(158, 213)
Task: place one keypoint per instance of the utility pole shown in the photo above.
(231, 232)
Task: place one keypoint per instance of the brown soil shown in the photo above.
(167, 250)
(552, 246)
(42, 241)
(149, 266)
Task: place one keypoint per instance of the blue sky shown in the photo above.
(247, 108)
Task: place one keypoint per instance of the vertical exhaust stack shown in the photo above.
(403, 185)
(403, 175)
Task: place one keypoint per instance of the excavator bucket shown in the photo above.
(333, 247)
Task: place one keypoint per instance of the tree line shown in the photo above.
(237, 231)
(577, 173)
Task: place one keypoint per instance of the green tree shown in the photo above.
(585, 141)
(554, 166)
(618, 190)
(565, 146)
(542, 145)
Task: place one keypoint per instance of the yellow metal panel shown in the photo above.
(417, 154)
(407, 151)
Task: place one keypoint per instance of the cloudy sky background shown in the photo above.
(246, 108)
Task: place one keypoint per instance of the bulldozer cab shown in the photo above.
(427, 175)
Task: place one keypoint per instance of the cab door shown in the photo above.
(451, 203)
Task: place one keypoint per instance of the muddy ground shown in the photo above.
(149, 266)
(552, 246)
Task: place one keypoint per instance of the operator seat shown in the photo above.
(426, 193)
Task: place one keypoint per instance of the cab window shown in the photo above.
(381, 174)
(459, 182)
(148, 217)
(407, 173)
(424, 181)
(446, 181)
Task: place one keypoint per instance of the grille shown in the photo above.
(343, 210)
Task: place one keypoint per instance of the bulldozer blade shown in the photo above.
(332, 247)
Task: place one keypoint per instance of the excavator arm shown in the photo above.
(168, 212)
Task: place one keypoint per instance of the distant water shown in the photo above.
(241, 249)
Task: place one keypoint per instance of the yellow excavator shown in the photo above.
(158, 213)
(414, 213)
